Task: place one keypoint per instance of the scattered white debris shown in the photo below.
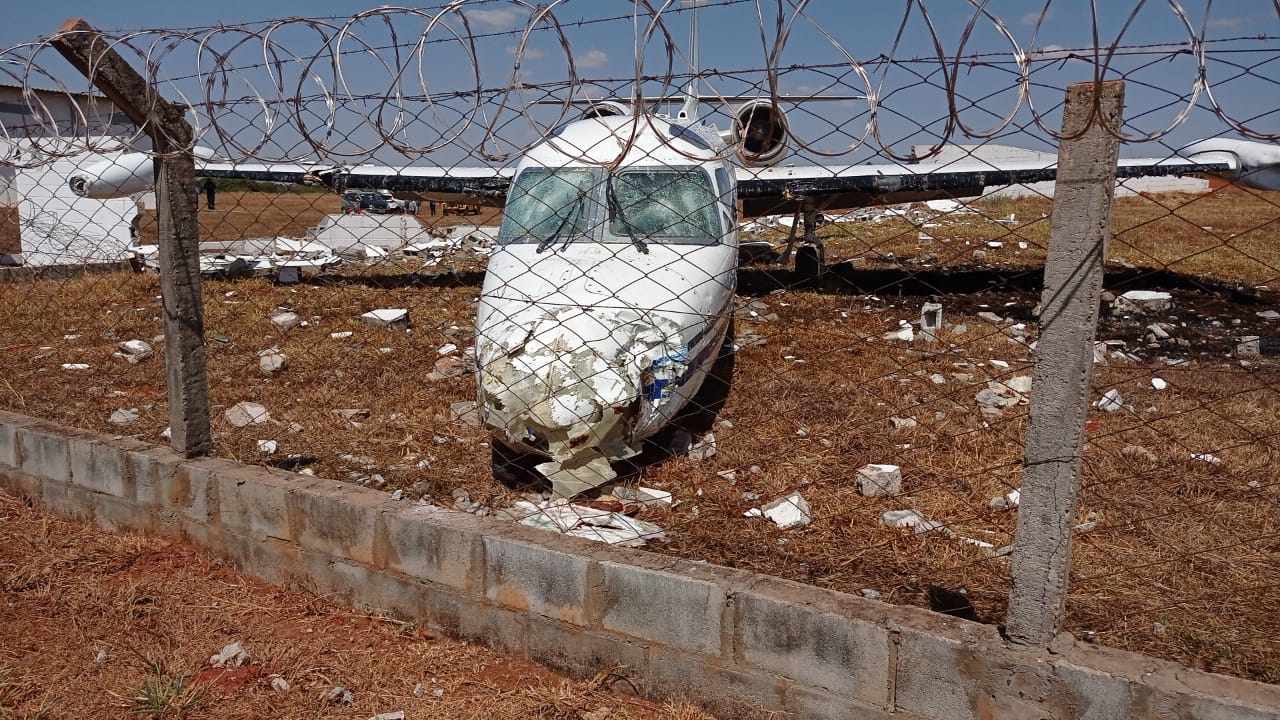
(1268, 315)
(1143, 301)
(906, 333)
(876, 480)
(279, 684)
(123, 416)
(232, 656)
(101, 657)
(1137, 452)
(247, 413)
(1207, 458)
(1248, 346)
(1159, 383)
(995, 244)
(938, 379)
(390, 318)
(788, 512)
(1110, 401)
(1008, 501)
(350, 414)
(907, 423)
(339, 693)
(1001, 364)
(271, 361)
(75, 366)
(562, 516)
(394, 715)
(869, 593)
(704, 448)
(134, 351)
(648, 497)
(286, 320)
(341, 335)
(901, 518)
(268, 447)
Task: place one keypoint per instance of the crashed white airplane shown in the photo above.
(610, 295)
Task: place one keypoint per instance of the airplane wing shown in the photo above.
(784, 189)
(470, 185)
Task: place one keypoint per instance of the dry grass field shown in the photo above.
(94, 625)
(1178, 558)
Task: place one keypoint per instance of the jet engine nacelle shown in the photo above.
(606, 108)
(120, 176)
(759, 133)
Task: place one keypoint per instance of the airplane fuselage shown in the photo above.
(610, 294)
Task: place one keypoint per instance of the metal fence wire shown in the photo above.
(421, 273)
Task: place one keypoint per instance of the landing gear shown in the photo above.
(811, 256)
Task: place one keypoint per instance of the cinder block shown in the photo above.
(21, 484)
(954, 677)
(725, 692)
(661, 606)
(67, 501)
(570, 648)
(253, 502)
(189, 492)
(427, 544)
(1095, 695)
(8, 446)
(98, 467)
(150, 469)
(817, 646)
(465, 617)
(336, 521)
(43, 453)
(117, 514)
(525, 576)
(811, 703)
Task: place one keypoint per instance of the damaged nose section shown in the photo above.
(576, 384)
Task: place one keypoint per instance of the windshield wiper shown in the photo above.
(578, 210)
(615, 208)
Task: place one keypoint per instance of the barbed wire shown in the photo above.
(319, 83)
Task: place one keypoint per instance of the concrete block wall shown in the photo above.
(738, 643)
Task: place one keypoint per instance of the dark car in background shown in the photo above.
(364, 201)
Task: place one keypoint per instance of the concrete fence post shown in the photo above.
(179, 232)
(1080, 228)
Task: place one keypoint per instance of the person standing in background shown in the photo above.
(210, 189)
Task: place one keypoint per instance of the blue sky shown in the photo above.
(912, 111)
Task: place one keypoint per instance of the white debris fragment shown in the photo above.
(390, 318)
(279, 684)
(394, 715)
(906, 333)
(562, 516)
(1249, 346)
(447, 349)
(247, 413)
(1137, 452)
(1110, 401)
(876, 480)
(286, 320)
(268, 447)
(398, 495)
(232, 656)
(1269, 315)
(123, 416)
(271, 361)
(1207, 458)
(704, 448)
(1001, 364)
(341, 335)
(648, 497)
(1159, 383)
(101, 657)
(1143, 301)
(788, 512)
(75, 366)
(869, 593)
(902, 518)
(1008, 501)
(907, 423)
(938, 379)
(134, 351)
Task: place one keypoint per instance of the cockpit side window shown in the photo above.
(546, 202)
(669, 204)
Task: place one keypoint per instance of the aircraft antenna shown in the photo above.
(689, 112)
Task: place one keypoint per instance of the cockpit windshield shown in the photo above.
(545, 203)
(664, 204)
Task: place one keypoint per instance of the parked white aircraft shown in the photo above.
(610, 296)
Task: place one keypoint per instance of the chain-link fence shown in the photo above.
(733, 343)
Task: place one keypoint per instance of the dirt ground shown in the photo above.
(94, 625)
(1180, 532)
